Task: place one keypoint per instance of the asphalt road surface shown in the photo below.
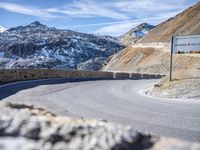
(112, 100)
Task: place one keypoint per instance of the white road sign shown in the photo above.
(186, 44)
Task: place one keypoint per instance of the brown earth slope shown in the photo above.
(185, 23)
(148, 60)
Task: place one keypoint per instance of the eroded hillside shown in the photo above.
(148, 60)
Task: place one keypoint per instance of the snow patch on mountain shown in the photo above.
(1, 54)
(141, 30)
(2, 29)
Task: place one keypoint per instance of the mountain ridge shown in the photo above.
(39, 46)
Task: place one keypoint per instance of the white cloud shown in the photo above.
(148, 5)
(75, 9)
(27, 10)
(116, 30)
(160, 17)
(90, 8)
(124, 14)
(114, 9)
(119, 28)
(119, 9)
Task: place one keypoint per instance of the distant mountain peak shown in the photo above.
(34, 26)
(136, 33)
(36, 23)
(143, 24)
(141, 30)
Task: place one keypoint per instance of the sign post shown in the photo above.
(171, 57)
(188, 44)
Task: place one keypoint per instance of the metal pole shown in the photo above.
(172, 43)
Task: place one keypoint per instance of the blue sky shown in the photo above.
(111, 17)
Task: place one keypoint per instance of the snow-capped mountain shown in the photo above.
(39, 46)
(2, 29)
(136, 33)
(141, 30)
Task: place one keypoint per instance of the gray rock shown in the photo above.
(19, 143)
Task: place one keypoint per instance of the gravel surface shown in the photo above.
(185, 84)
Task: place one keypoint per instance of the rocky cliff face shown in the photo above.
(38, 46)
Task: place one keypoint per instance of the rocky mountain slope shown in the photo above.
(39, 46)
(185, 23)
(136, 33)
(2, 29)
(148, 57)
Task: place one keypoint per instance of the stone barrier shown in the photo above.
(31, 74)
(136, 76)
(11, 75)
(122, 75)
(145, 76)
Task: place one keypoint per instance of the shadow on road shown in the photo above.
(9, 89)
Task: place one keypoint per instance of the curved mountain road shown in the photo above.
(112, 100)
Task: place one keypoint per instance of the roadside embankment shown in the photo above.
(185, 84)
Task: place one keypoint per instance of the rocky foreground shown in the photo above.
(25, 127)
